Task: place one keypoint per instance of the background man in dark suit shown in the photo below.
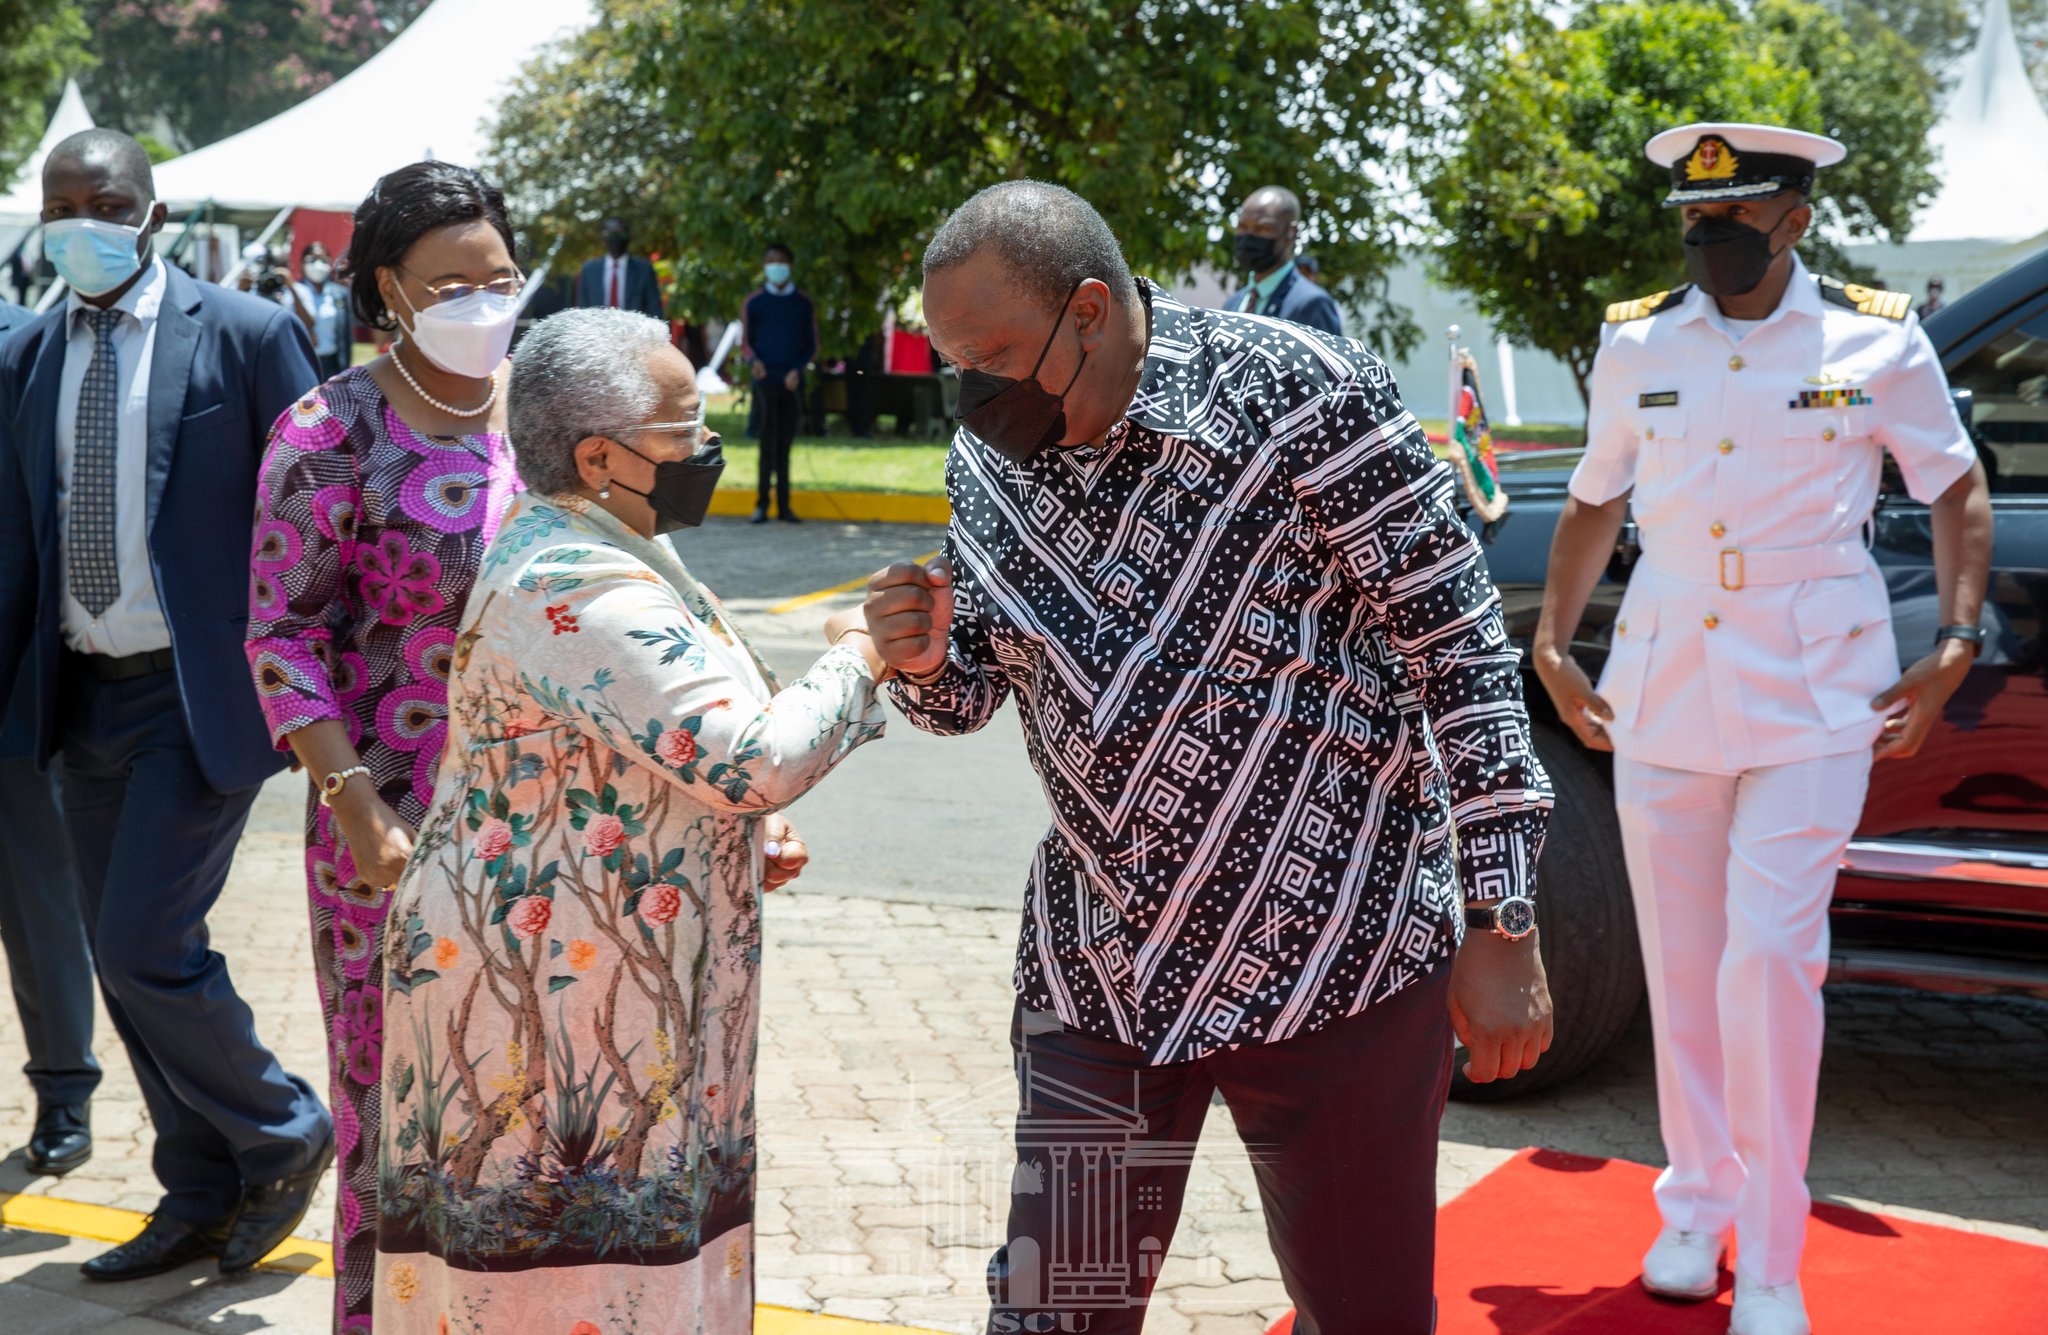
(1268, 228)
(619, 279)
(132, 423)
(48, 962)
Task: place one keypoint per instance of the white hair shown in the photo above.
(577, 374)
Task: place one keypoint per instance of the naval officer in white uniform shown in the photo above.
(1754, 674)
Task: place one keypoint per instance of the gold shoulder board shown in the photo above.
(1867, 300)
(1643, 307)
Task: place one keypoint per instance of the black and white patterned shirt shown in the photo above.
(1262, 670)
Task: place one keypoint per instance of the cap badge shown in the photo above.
(1711, 160)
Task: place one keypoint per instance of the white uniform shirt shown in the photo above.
(1753, 461)
(135, 623)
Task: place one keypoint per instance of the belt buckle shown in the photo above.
(1727, 552)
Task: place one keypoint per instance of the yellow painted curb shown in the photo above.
(803, 600)
(104, 1223)
(853, 507)
(302, 1256)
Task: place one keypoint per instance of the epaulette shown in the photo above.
(1866, 300)
(1643, 307)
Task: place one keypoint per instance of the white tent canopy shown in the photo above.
(1992, 209)
(404, 104)
(23, 203)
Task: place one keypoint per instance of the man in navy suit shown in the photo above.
(132, 423)
(1268, 228)
(619, 279)
(43, 932)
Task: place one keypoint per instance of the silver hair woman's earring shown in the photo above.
(604, 493)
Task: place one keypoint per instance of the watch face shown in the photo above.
(1517, 917)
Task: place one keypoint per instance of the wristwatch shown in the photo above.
(1971, 635)
(1513, 918)
(331, 786)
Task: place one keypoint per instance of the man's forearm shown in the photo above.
(1579, 552)
(1961, 518)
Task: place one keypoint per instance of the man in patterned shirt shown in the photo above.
(1262, 674)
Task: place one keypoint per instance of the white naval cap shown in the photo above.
(1714, 162)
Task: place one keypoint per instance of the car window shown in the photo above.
(2009, 378)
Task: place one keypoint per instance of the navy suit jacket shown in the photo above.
(642, 294)
(225, 365)
(17, 736)
(1301, 301)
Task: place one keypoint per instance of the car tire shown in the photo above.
(1586, 924)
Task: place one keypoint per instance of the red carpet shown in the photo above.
(1551, 1244)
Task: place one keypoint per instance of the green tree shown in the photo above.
(576, 142)
(41, 41)
(1545, 208)
(848, 129)
(201, 70)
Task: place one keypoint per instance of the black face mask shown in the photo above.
(614, 244)
(681, 495)
(1727, 258)
(1256, 253)
(1018, 418)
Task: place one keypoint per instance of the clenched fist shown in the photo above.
(910, 612)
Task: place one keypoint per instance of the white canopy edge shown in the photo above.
(1990, 139)
(23, 202)
(427, 95)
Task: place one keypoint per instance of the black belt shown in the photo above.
(106, 667)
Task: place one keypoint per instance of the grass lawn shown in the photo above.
(918, 468)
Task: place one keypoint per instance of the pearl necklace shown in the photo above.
(433, 402)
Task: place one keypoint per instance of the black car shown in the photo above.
(1945, 887)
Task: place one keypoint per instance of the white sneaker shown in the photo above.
(1682, 1264)
(1768, 1309)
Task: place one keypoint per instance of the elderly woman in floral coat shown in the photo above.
(573, 963)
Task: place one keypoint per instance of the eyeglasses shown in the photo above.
(503, 287)
(691, 435)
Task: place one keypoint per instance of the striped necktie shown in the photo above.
(94, 572)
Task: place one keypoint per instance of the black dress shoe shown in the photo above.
(270, 1211)
(760, 515)
(62, 1139)
(164, 1244)
(788, 518)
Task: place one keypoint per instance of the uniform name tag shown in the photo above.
(1666, 399)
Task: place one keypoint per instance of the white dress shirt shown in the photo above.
(1757, 627)
(135, 623)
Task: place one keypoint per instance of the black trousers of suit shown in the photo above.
(153, 842)
(42, 926)
(1341, 1126)
(781, 409)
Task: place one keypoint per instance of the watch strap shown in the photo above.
(1482, 920)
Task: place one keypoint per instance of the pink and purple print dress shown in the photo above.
(368, 539)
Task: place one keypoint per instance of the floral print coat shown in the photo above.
(572, 971)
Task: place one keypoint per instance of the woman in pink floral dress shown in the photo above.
(380, 491)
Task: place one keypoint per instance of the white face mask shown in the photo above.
(467, 336)
(317, 271)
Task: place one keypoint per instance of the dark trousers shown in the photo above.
(153, 842)
(1341, 1127)
(781, 407)
(332, 364)
(42, 926)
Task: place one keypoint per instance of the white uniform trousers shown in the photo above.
(1732, 875)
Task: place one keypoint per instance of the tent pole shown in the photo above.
(235, 270)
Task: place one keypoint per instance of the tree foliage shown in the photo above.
(201, 70)
(576, 142)
(41, 41)
(849, 128)
(1545, 207)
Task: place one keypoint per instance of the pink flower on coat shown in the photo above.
(604, 835)
(660, 904)
(676, 747)
(494, 838)
(529, 917)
